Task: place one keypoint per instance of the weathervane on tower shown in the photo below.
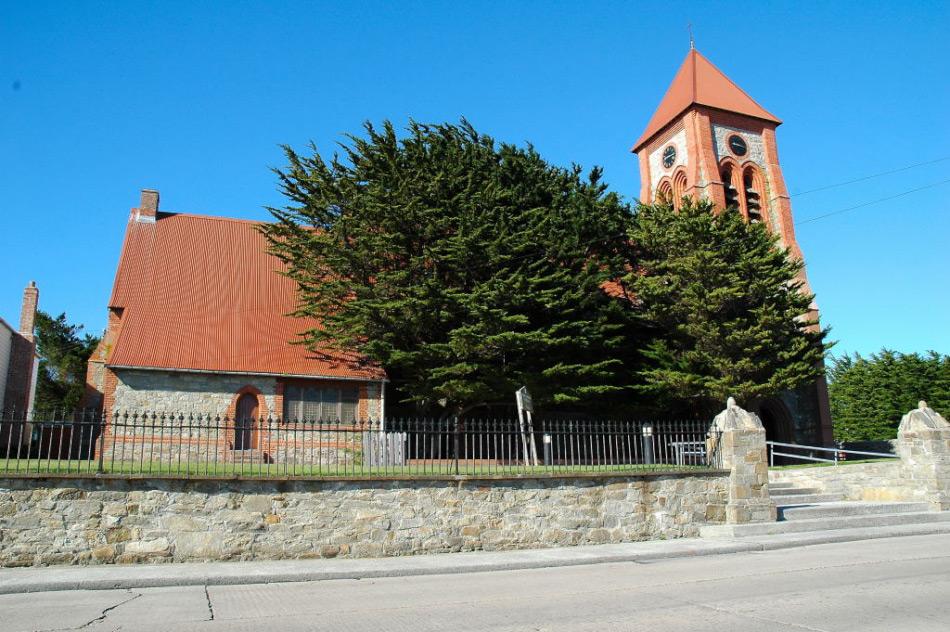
(692, 44)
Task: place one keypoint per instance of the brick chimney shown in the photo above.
(31, 298)
(148, 207)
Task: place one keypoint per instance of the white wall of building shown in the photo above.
(6, 342)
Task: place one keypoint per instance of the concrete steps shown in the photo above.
(842, 509)
(794, 491)
(805, 499)
(781, 485)
(826, 524)
(805, 510)
(809, 538)
(247, 457)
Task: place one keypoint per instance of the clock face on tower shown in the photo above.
(737, 145)
(669, 156)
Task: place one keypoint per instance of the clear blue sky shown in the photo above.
(99, 100)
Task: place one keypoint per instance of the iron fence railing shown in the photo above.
(191, 445)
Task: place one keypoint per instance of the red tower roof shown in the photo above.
(698, 82)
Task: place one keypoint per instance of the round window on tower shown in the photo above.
(669, 156)
(737, 145)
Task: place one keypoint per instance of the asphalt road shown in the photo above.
(889, 584)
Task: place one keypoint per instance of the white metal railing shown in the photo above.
(689, 452)
(835, 453)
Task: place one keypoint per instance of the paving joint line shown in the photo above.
(210, 607)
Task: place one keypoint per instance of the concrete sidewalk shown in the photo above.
(106, 577)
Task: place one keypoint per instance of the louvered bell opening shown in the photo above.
(755, 210)
(732, 193)
(732, 196)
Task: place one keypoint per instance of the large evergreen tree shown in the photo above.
(63, 349)
(725, 308)
(870, 395)
(464, 267)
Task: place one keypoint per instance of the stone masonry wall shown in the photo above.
(859, 481)
(179, 392)
(114, 520)
(373, 402)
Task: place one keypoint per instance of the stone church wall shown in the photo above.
(180, 392)
(212, 394)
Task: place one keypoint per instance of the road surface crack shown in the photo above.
(747, 615)
(106, 612)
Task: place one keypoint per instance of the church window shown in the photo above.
(664, 193)
(327, 404)
(753, 195)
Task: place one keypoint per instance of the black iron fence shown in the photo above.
(188, 445)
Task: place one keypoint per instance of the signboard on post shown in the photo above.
(526, 423)
(525, 403)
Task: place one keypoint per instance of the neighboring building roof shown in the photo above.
(4, 323)
(699, 82)
(203, 294)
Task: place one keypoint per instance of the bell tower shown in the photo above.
(709, 139)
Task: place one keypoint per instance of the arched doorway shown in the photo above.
(245, 415)
(778, 425)
(777, 421)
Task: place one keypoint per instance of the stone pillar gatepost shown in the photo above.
(923, 443)
(741, 446)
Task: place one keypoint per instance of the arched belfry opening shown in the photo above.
(730, 182)
(679, 187)
(752, 187)
(664, 192)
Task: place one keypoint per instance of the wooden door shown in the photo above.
(244, 422)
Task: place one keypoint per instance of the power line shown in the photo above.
(877, 201)
(870, 177)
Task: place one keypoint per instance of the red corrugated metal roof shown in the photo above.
(202, 293)
(699, 81)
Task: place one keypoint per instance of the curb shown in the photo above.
(238, 573)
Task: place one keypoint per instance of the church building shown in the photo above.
(709, 139)
(199, 317)
(200, 325)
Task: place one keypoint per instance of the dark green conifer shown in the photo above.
(870, 395)
(725, 306)
(63, 351)
(464, 267)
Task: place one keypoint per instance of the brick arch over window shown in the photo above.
(730, 172)
(262, 410)
(753, 190)
(679, 187)
(664, 192)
